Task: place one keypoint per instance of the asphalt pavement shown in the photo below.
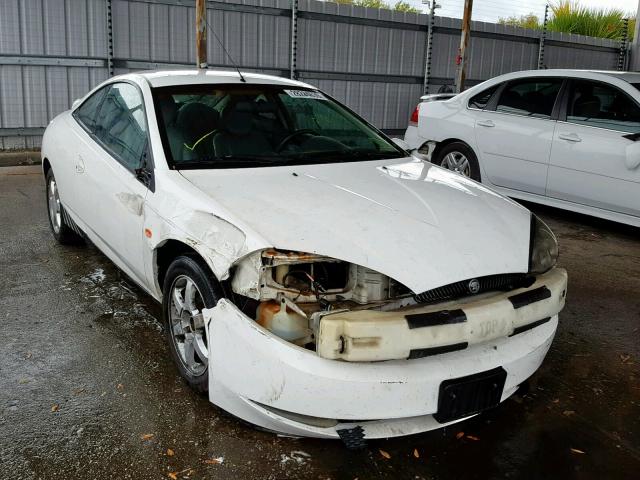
(88, 390)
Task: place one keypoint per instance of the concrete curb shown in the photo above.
(15, 159)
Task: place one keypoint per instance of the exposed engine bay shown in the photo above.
(349, 312)
(294, 290)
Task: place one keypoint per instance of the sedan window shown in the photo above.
(121, 125)
(597, 104)
(88, 111)
(480, 100)
(533, 97)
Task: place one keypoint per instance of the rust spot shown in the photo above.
(266, 311)
(147, 233)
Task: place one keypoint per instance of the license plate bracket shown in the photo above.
(465, 396)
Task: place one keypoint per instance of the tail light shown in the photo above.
(414, 116)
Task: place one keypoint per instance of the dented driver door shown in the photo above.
(115, 189)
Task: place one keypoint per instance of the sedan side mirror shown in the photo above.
(401, 143)
(632, 156)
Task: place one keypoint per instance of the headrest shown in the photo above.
(196, 119)
(586, 106)
(265, 107)
(237, 119)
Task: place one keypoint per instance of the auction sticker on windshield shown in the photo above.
(305, 94)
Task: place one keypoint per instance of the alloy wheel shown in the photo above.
(53, 202)
(187, 325)
(457, 162)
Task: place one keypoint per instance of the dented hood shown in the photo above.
(419, 224)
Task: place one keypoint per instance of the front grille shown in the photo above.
(505, 282)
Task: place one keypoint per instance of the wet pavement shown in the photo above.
(88, 390)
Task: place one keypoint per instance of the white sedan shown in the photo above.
(315, 280)
(565, 138)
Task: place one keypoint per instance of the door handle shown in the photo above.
(79, 165)
(485, 123)
(569, 137)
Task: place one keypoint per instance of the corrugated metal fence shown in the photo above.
(53, 51)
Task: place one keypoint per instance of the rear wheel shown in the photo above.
(460, 158)
(189, 286)
(61, 231)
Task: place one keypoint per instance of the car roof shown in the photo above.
(191, 76)
(566, 72)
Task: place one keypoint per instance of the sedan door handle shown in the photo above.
(569, 137)
(485, 123)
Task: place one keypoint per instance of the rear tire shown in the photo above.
(460, 158)
(188, 287)
(56, 214)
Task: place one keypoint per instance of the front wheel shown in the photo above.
(189, 286)
(460, 158)
(61, 231)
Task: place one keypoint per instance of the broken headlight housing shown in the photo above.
(543, 249)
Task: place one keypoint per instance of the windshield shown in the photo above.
(235, 126)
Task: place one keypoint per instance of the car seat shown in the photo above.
(239, 135)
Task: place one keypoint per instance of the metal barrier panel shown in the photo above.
(54, 51)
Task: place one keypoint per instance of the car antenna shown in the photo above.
(242, 79)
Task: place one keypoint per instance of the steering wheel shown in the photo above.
(293, 135)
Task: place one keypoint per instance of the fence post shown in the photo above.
(622, 54)
(429, 47)
(294, 40)
(109, 39)
(543, 37)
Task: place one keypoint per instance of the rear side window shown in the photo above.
(533, 97)
(87, 112)
(121, 125)
(600, 105)
(480, 100)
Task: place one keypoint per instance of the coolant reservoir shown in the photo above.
(283, 321)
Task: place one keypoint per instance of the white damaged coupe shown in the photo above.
(315, 279)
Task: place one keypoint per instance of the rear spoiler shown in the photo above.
(435, 97)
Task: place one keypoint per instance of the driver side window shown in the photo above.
(121, 125)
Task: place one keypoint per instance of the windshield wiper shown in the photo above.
(239, 161)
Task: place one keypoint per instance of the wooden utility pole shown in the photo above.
(201, 34)
(464, 42)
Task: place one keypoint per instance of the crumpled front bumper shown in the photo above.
(279, 386)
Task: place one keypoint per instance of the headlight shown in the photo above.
(543, 251)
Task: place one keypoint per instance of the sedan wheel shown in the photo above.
(457, 162)
(188, 326)
(53, 202)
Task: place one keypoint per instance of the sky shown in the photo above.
(491, 10)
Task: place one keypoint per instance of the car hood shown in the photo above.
(419, 224)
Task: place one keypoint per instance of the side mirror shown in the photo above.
(632, 156)
(75, 104)
(401, 143)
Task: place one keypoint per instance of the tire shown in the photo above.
(185, 331)
(460, 158)
(62, 232)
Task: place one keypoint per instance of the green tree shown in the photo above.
(401, 6)
(569, 16)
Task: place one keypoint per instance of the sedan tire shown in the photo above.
(189, 286)
(62, 232)
(460, 158)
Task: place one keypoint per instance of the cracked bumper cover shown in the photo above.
(279, 386)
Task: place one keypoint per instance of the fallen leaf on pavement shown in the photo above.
(385, 454)
(55, 407)
(214, 461)
(575, 450)
(147, 436)
(625, 357)
(459, 435)
(556, 400)
(120, 386)
(172, 476)
(170, 453)
(416, 453)
(472, 437)
(568, 413)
